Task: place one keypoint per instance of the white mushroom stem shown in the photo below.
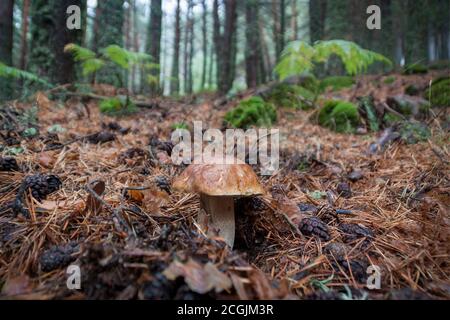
(220, 211)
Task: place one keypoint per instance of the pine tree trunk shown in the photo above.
(252, 62)
(6, 44)
(23, 36)
(317, 16)
(62, 68)
(154, 44)
(205, 43)
(175, 82)
(294, 20)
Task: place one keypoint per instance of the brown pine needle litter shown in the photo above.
(127, 235)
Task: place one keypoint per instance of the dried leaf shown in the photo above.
(199, 278)
(92, 204)
(43, 101)
(47, 159)
(135, 196)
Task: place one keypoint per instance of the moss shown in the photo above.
(439, 93)
(440, 65)
(117, 106)
(336, 83)
(389, 80)
(415, 68)
(413, 132)
(291, 96)
(411, 90)
(252, 112)
(390, 118)
(179, 125)
(340, 116)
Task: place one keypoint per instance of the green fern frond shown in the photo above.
(11, 72)
(79, 53)
(92, 65)
(299, 57)
(123, 57)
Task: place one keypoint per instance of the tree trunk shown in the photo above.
(205, 43)
(24, 33)
(62, 69)
(155, 43)
(252, 55)
(6, 44)
(317, 16)
(294, 20)
(225, 44)
(175, 82)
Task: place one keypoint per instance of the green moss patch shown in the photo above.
(336, 83)
(389, 80)
(339, 116)
(439, 93)
(415, 68)
(291, 96)
(117, 106)
(252, 112)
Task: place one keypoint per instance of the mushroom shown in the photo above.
(218, 184)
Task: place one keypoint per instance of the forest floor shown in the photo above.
(392, 211)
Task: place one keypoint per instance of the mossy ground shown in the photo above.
(339, 116)
(292, 96)
(439, 92)
(336, 83)
(252, 112)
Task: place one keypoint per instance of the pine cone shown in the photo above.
(352, 231)
(8, 164)
(344, 190)
(58, 256)
(163, 183)
(313, 226)
(42, 185)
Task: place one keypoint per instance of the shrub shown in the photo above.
(439, 92)
(389, 80)
(251, 112)
(336, 83)
(340, 116)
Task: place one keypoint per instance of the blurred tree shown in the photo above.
(317, 16)
(188, 48)
(175, 78)
(24, 35)
(254, 64)
(154, 43)
(108, 30)
(204, 42)
(6, 43)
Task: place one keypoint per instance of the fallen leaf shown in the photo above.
(199, 278)
(135, 196)
(46, 159)
(43, 101)
(93, 205)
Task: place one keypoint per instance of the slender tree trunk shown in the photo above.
(294, 20)
(187, 50)
(317, 15)
(24, 33)
(191, 53)
(252, 62)
(205, 43)
(175, 82)
(154, 44)
(6, 44)
(136, 71)
(225, 45)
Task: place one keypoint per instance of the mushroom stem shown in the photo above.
(220, 210)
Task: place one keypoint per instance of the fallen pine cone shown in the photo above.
(313, 226)
(8, 164)
(101, 137)
(352, 231)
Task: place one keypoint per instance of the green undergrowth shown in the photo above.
(252, 112)
(339, 116)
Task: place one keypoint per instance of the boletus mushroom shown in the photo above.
(219, 184)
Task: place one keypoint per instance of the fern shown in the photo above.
(11, 72)
(300, 57)
(124, 58)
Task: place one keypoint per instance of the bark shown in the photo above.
(155, 43)
(205, 43)
(63, 67)
(24, 33)
(317, 15)
(6, 44)
(294, 20)
(252, 56)
(225, 44)
(175, 82)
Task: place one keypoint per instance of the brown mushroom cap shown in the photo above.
(236, 179)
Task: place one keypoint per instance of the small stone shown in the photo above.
(344, 190)
(355, 175)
